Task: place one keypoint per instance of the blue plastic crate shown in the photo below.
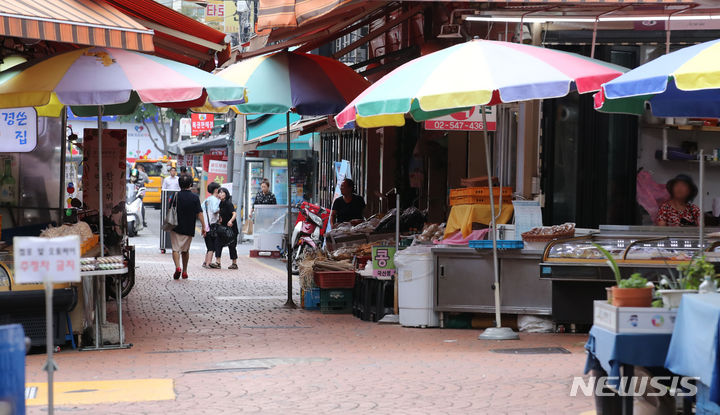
(311, 298)
(501, 244)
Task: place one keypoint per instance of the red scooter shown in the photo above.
(309, 232)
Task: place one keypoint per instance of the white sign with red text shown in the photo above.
(470, 120)
(38, 259)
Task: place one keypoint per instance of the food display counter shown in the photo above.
(579, 273)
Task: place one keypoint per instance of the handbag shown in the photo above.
(224, 234)
(170, 221)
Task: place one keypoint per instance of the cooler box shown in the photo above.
(269, 227)
(416, 287)
(267, 241)
(633, 319)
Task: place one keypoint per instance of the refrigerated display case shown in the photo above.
(580, 273)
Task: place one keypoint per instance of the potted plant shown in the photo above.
(630, 292)
(688, 279)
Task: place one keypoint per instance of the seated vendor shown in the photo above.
(349, 207)
(678, 211)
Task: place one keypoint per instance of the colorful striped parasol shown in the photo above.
(684, 83)
(478, 72)
(299, 82)
(114, 78)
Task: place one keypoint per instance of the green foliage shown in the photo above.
(611, 262)
(635, 281)
(694, 272)
(657, 303)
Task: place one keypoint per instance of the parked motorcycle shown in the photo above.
(133, 208)
(309, 231)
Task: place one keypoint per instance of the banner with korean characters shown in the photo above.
(200, 123)
(18, 130)
(382, 261)
(55, 259)
(113, 171)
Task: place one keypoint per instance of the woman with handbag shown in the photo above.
(211, 210)
(227, 229)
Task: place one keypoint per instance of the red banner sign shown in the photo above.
(200, 123)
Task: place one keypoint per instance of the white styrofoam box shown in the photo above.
(267, 241)
(633, 319)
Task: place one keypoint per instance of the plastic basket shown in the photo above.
(481, 191)
(335, 279)
(477, 200)
(336, 301)
(501, 244)
(310, 298)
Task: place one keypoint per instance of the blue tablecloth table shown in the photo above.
(694, 345)
(615, 351)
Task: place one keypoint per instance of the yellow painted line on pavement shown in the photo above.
(104, 391)
(270, 267)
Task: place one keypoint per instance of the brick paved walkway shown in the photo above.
(228, 347)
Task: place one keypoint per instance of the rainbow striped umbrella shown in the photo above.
(299, 82)
(478, 72)
(115, 78)
(684, 83)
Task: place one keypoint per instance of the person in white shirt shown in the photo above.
(211, 210)
(171, 182)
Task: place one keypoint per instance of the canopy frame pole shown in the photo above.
(289, 248)
(701, 192)
(101, 221)
(498, 332)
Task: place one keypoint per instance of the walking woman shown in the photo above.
(228, 218)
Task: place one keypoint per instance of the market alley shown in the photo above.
(219, 343)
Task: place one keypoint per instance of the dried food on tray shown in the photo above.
(548, 233)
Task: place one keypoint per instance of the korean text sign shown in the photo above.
(200, 123)
(18, 130)
(55, 258)
(382, 260)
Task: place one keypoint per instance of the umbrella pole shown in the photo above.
(289, 303)
(498, 332)
(701, 219)
(101, 222)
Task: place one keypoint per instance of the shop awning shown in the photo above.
(301, 143)
(259, 126)
(82, 22)
(199, 146)
(341, 18)
(177, 36)
(274, 14)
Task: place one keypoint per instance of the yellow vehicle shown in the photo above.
(156, 171)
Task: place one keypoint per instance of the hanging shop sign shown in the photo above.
(470, 120)
(41, 259)
(18, 130)
(199, 123)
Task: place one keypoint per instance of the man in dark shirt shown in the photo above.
(349, 207)
(188, 209)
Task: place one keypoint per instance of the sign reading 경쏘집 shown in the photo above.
(18, 130)
(470, 120)
(37, 259)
